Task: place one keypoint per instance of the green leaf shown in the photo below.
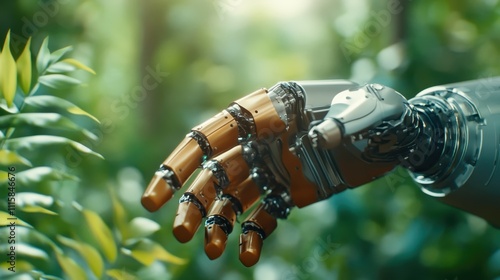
(8, 158)
(146, 252)
(142, 227)
(57, 81)
(78, 65)
(6, 219)
(45, 120)
(37, 209)
(89, 254)
(6, 109)
(43, 101)
(43, 58)
(30, 198)
(24, 68)
(39, 142)
(119, 216)
(101, 233)
(21, 266)
(56, 55)
(39, 174)
(4, 176)
(60, 67)
(28, 250)
(119, 274)
(70, 267)
(41, 276)
(34, 203)
(8, 73)
(28, 235)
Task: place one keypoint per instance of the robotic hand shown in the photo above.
(288, 146)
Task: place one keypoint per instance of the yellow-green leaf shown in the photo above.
(101, 233)
(40, 141)
(4, 176)
(34, 203)
(21, 265)
(10, 157)
(163, 255)
(146, 252)
(119, 216)
(120, 274)
(34, 176)
(8, 73)
(6, 219)
(78, 65)
(24, 68)
(69, 266)
(89, 253)
(78, 111)
(44, 101)
(37, 209)
(142, 256)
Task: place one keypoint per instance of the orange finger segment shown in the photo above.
(218, 226)
(267, 121)
(211, 138)
(251, 116)
(220, 222)
(227, 169)
(157, 193)
(244, 195)
(255, 229)
(193, 205)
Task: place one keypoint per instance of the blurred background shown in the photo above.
(164, 66)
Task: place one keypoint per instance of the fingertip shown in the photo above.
(150, 203)
(215, 241)
(157, 193)
(250, 248)
(186, 222)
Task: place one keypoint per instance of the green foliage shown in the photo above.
(14, 116)
(216, 52)
(91, 249)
